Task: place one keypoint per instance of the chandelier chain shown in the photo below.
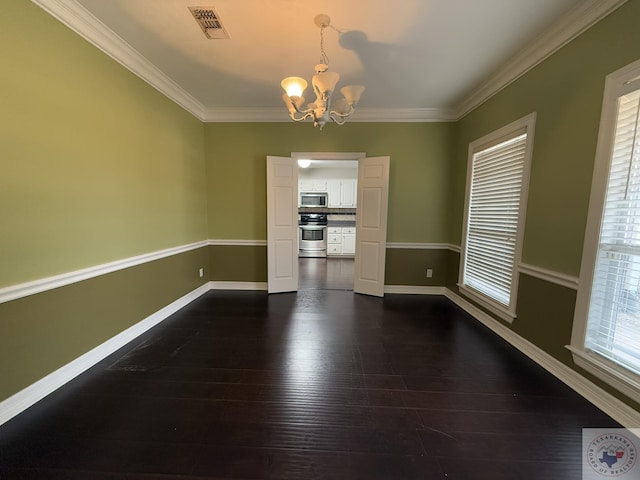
(323, 56)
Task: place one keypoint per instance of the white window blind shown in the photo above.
(613, 322)
(493, 218)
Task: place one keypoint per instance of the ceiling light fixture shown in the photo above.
(323, 82)
(304, 163)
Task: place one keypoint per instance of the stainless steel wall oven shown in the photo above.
(313, 235)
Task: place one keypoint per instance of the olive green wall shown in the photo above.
(419, 172)
(98, 166)
(95, 166)
(43, 332)
(418, 179)
(236, 263)
(408, 266)
(566, 91)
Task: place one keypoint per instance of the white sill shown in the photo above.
(618, 377)
(497, 309)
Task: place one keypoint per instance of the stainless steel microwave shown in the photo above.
(313, 199)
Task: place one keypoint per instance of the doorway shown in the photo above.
(367, 241)
(327, 189)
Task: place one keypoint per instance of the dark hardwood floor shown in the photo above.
(325, 273)
(322, 384)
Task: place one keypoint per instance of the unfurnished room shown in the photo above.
(278, 239)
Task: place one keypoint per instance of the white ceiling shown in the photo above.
(428, 59)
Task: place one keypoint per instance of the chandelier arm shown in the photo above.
(306, 111)
(336, 119)
(300, 119)
(333, 113)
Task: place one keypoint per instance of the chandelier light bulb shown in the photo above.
(294, 86)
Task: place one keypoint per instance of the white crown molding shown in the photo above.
(81, 21)
(21, 290)
(246, 115)
(576, 21)
(549, 276)
(606, 402)
(361, 115)
(35, 392)
(568, 27)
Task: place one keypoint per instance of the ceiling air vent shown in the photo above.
(210, 22)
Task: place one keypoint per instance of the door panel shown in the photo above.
(371, 225)
(282, 224)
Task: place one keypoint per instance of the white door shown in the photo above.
(371, 225)
(282, 224)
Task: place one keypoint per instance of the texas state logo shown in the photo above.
(610, 453)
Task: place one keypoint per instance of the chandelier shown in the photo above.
(324, 83)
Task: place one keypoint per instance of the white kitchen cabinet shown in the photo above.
(334, 238)
(348, 193)
(341, 241)
(334, 249)
(333, 190)
(312, 186)
(334, 241)
(349, 241)
(342, 193)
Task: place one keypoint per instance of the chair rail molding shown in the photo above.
(21, 290)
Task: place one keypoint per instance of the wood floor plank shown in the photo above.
(322, 384)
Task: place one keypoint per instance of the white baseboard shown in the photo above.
(616, 409)
(35, 392)
(238, 285)
(609, 404)
(414, 290)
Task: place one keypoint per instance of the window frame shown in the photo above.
(618, 83)
(526, 125)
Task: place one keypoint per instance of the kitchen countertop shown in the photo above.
(341, 220)
(328, 211)
(341, 224)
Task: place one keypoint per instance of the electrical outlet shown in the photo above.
(429, 272)
(201, 272)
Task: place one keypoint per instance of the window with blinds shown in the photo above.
(605, 339)
(497, 179)
(613, 324)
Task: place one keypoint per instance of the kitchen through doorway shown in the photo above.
(327, 205)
